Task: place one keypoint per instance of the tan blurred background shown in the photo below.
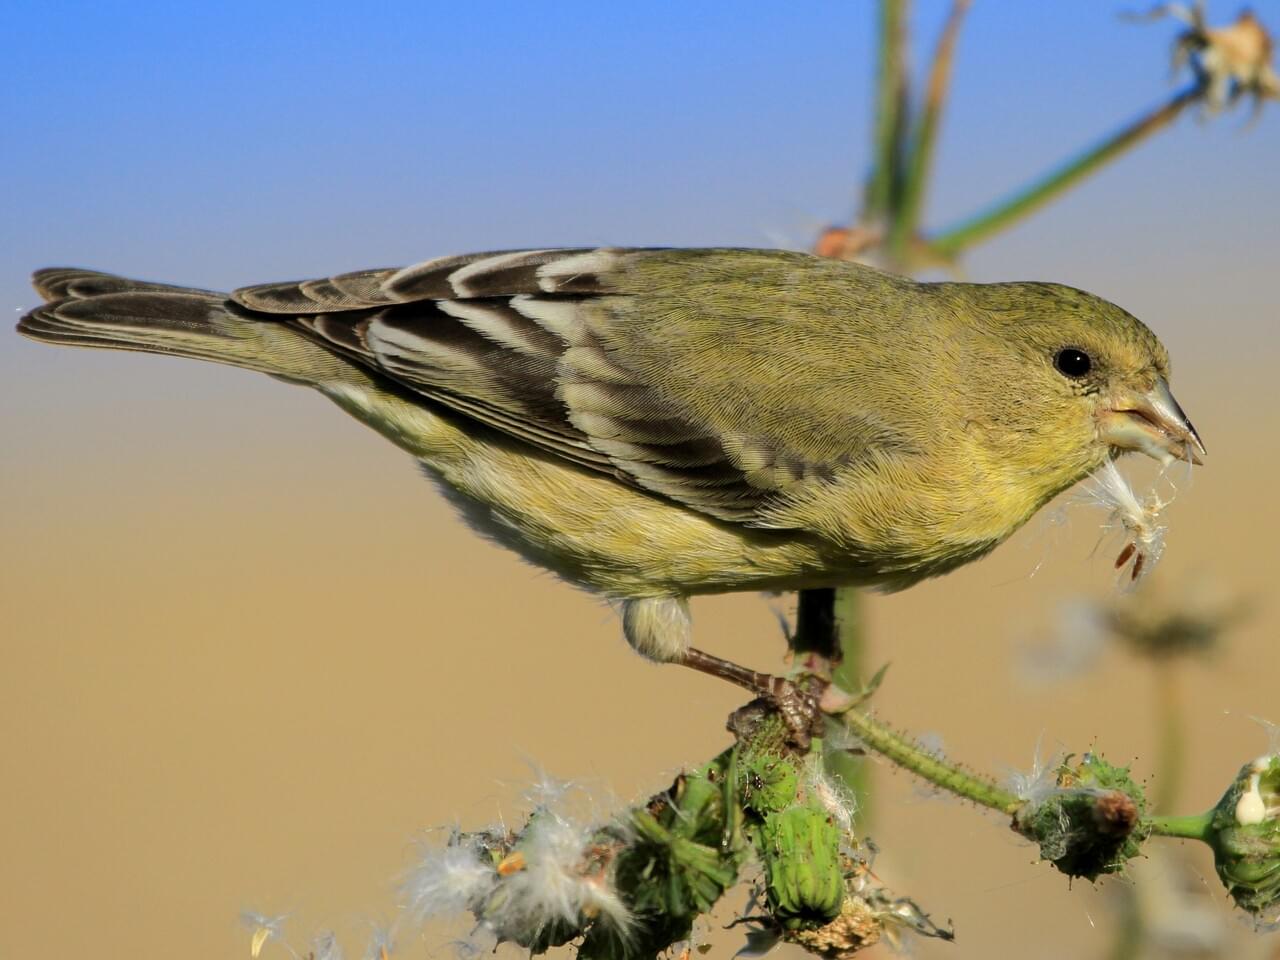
(246, 667)
(249, 655)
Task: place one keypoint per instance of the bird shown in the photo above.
(654, 424)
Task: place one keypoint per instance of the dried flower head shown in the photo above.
(325, 946)
(1091, 824)
(1037, 783)
(1157, 621)
(563, 879)
(540, 886)
(263, 929)
(848, 243)
(1160, 624)
(381, 944)
(451, 879)
(1229, 62)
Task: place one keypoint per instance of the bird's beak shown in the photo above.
(1153, 423)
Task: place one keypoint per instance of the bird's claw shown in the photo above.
(797, 702)
(799, 709)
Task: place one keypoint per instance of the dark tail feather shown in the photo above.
(73, 283)
(90, 309)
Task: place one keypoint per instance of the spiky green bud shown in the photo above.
(1091, 824)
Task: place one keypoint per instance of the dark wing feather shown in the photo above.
(558, 349)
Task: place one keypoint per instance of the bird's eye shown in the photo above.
(1072, 362)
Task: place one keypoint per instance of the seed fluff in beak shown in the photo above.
(1137, 520)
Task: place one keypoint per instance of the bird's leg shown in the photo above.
(797, 705)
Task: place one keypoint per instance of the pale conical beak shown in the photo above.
(1152, 423)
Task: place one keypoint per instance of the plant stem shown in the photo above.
(1172, 743)
(850, 674)
(827, 625)
(906, 753)
(1131, 932)
(1004, 214)
(919, 161)
(891, 102)
(816, 630)
(1194, 827)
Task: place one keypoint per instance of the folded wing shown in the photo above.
(597, 358)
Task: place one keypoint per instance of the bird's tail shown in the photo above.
(85, 308)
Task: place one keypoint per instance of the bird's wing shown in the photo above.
(614, 360)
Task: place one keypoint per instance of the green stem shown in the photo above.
(850, 673)
(1195, 827)
(891, 95)
(952, 242)
(906, 753)
(1172, 745)
(827, 625)
(920, 153)
(1131, 932)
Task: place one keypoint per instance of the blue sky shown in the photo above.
(224, 143)
(215, 142)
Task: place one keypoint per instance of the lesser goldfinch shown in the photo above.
(653, 424)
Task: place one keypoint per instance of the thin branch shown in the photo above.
(890, 125)
(1172, 746)
(1005, 214)
(920, 154)
(1195, 827)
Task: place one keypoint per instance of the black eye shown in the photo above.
(1072, 362)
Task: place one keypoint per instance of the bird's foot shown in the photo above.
(799, 710)
(796, 701)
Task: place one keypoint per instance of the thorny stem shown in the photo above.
(1004, 214)
(920, 152)
(906, 753)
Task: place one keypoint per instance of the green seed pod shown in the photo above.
(800, 848)
(1246, 836)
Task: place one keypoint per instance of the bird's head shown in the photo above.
(1065, 380)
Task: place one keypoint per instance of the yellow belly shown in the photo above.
(599, 533)
(585, 527)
